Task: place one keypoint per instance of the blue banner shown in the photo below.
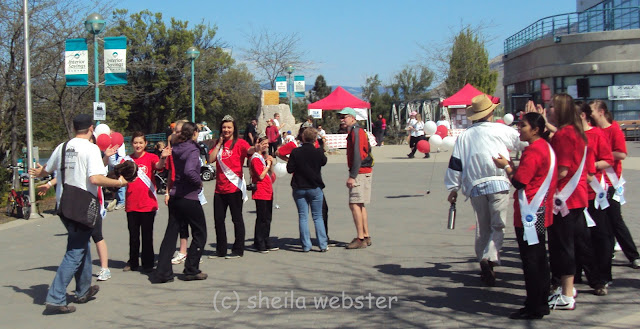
(298, 85)
(115, 61)
(76, 62)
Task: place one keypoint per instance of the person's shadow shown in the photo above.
(38, 292)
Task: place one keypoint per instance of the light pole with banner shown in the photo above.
(290, 89)
(192, 54)
(95, 24)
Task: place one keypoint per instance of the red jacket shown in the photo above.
(357, 150)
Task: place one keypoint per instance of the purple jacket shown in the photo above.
(186, 161)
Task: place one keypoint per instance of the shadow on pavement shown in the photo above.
(37, 292)
(404, 196)
(46, 268)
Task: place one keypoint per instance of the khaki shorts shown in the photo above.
(361, 190)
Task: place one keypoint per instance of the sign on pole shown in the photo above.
(115, 61)
(624, 92)
(76, 62)
(298, 85)
(99, 111)
(281, 86)
(315, 113)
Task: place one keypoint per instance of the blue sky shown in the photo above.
(352, 39)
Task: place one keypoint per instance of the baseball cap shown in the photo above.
(82, 121)
(348, 111)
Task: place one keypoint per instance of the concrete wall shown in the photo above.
(575, 54)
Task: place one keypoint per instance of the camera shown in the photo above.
(251, 187)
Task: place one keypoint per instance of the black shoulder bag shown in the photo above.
(77, 204)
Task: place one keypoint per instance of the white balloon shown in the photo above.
(508, 118)
(448, 143)
(430, 128)
(102, 129)
(280, 169)
(435, 141)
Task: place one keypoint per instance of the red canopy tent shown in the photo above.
(339, 99)
(463, 97)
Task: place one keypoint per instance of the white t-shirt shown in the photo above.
(276, 123)
(289, 138)
(444, 123)
(83, 160)
(321, 133)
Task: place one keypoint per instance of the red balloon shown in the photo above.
(116, 138)
(103, 141)
(424, 146)
(442, 131)
(500, 121)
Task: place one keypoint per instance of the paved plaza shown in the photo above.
(417, 274)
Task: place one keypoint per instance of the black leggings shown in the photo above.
(619, 228)
(264, 210)
(221, 202)
(141, 222)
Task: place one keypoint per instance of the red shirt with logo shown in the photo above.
(600, 150)
(233, 159)
(533, 169)
(264, 187)
(139, 197)
(618, 144)
(569, 147)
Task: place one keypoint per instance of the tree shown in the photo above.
(271, 53)
(320, 89)
(469, 63)
(412, 83)
(371, 93)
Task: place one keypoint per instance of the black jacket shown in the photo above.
(305, 163)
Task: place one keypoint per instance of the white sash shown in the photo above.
(143, 177)
(528, 211)
(231, 176)
(264, 163)
(601, 195)
(201, 197)
(560, 199)
(618, 184)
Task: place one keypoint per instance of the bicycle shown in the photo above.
(18, 202)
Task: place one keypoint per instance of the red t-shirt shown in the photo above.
(264, 190)
(139, 197)
(272, 133)
(233, 159)
(286, 149)
(168, 165)
(618, 144)
(533, 169)
(599, 149)
(569, 148)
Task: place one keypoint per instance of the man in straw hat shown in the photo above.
(471, 170)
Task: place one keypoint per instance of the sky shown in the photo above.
(350, 40)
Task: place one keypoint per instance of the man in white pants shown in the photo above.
(471, 170)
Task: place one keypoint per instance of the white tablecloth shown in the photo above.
(339, 141)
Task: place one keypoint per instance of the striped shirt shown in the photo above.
(490, 187)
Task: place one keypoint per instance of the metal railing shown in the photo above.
(594, 20)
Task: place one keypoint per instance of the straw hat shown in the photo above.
(481, 106)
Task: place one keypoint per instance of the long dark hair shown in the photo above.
(185, 134)
(536, 120)
(566, 113)
(235, 128)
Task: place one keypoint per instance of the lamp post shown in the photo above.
(192, 54)
(94, 25)
(290, 70)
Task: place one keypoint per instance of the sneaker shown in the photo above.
(325, 249)
(59, 309)
(556, 291)
(157, 280)
(93, 290)
(561, 302)
(273, 248)
(232, 256)
(104, 274)
(214, 257)
(357, 244)
(129, 268)
(199, 276)
(119, 206)
(600, 291)
(263, 251)
(617, 247)
(333, 243)
(179, 258)
(488, 275)
(636, 263)
(524, 314)
(367, 239)
(112, 205)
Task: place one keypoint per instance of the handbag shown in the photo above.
(77, 204)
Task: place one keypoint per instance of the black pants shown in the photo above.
(272, 148)
(601, 241)
(536, 272)
(619, 228)
(264, 210)
(180, 210)
(325, 214)
(221, 202)
(141, 222)
(413, 144)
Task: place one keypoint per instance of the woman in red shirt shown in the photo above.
(535, 178)
(263, 195)
(615, 194)
(229, 154)
(141, 203)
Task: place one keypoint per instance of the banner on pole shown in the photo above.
(298, 85)
(99, 111)
(115, 61)
(76, 62)
(281, 86)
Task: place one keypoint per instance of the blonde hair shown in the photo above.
(309, 135)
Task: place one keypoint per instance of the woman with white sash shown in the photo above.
(535, 183)
(614, 180)
(260, 166)
(229, 154)
(141, 203)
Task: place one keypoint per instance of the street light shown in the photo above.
(192, 54)
(290, 70)
(94, 25)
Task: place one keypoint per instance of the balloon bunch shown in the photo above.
(106, 138)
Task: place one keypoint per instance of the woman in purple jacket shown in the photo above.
(184, 207)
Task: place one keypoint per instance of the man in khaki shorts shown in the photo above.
(360, 165)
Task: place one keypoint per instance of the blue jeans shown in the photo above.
(305, 198)
(75, 263)
(120, 196)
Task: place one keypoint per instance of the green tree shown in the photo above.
(380, 102)
(320, 89)
(469, 63)
(412, 83)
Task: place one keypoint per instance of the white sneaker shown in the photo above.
(178, 259)
(558, 292)
(119, 206)
(561, 302)
(104, 274)
(111, 205)
(617, 247)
